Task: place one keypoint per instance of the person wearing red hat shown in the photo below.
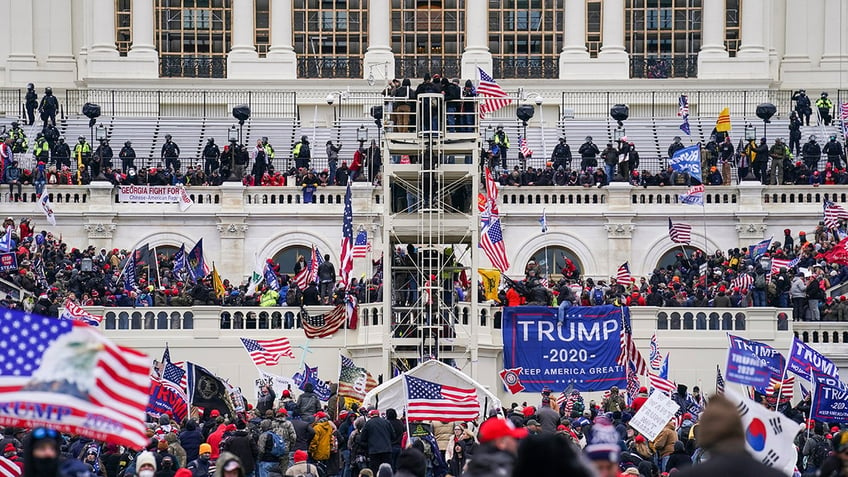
(497, 450)
(320, 446)
(301, 467)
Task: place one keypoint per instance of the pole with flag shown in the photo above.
(543, 221)
(494, 97)
(683, 113)
(346, 257)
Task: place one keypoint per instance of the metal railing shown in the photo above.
(183, 103)
(524, 68)
(344, 67)
(664, 66)
(417, 67)
(173, 66)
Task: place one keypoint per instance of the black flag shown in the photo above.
(207, 390)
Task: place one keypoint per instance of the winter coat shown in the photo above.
(320, 446)
(244, 447)
(664, 443)
(190, 439)
(308, 403)
(377, 436)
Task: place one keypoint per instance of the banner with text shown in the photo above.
(654, 415)
(803, 359)
(745, 368)
(8, 262)
(166, 400)
(155, 194)
(581, 352)
(770, 357)
(830, 399)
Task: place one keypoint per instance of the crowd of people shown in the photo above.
(303, 437)
(794, 272)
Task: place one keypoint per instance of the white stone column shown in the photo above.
(753, 28)
(21, 65)
(574, 37)
(835, 38)
(476, 40)
(613, 37)
(243, 27)
(712, 29)
(796, 64)
(379, 51)
(281, 52)
(613, 62)
(143, 55)
(103, 33)
(60, 64)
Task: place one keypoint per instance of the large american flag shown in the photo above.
(346, 257)
(655, 357)
(525, 149)
(174, 376)
(74, 376)
(494, 97)
(9, 468)
(743, 281)
(623, 274)
(361, 246)
(267, 352)
(633, 384)
(321, 326)
(492, 243)
(429, 401)
(679, 232)
(778, 263)
(786, 388)
(661, 384)
(629, 353)
(833, 213)
(719, 381)
(354, 381)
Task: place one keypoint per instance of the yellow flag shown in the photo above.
(723, 123)
(217, 284)
(491, 281)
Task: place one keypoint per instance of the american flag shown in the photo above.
(655, 356)
(833, 213)
(429, 401)
(679, 232)
(267, 352)
(525, 149)
(786, 389)
(354, 381)
(76, 376)
(743, 281)
(623, 274)
(174, 375)
(489, 210)
(361, 246)
(683, 113)
(321, 326)
(9, 468)
(629, 353)
(844, 108)
(346, 257)
(308, 274)
(72, 311)
(661, 384)
(632, 383)
(492, 243)
(719, 381)
(778, 263)
(494, 97)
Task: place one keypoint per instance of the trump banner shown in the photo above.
(65, 375)
(745, 368)
(770, 357)
(687, 160)
(582, 351)
(803, 359)
(164, 399)
(830, 399)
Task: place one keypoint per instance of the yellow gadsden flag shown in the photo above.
(723, 123)
(217, 284)
(491, 281)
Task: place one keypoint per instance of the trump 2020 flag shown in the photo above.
(803, 359)
(65, 375)
(687, 160)
(830, 400)
(72, 311)
(310, 375)
(769, 435)
(44, 203)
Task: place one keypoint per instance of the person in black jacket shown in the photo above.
(171, 154)
(127, 156)
(815, 294)
(453, 95)
(561, 155)
(377, 437)
(304, 433)
(242, 446)
(326, 279)
(190, 439)
(399, 428)
(588, 154)
(48, 108)
(31, 99)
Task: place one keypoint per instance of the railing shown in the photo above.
(349, 67)
(526, 68)
(824, 332)
(184, 103)
(664, 66)
(172, 66)
(663, 103)
(12, 102)
(419, 65)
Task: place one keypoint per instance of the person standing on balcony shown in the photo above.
(453, 96)
(798, 295)
(31, 104)
(502, 141)
(260, 162)
(48, 108)
(333, 160)
(824, 105)
(835, 153)
(794, 134)
(675, 146)
(610, 157)
(301, 153)
(404, 110)
(326, 279)
(211, 157)
(561, 156)
(760, 161)
(127, 155)
(815, 294)
(103, 158)
(171, 154)
(779, 154)
(374, 161)
(802, 105)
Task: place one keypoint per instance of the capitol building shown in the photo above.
(317, 68)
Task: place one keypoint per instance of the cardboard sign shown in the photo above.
(654, 415)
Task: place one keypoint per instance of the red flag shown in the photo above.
(839, 253)
(511, 380)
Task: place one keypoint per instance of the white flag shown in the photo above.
(769, 435)
(44, 202)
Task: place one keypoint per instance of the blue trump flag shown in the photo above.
(830, 400)
(770, 357)
(744, 367)
(582, 352)
(310, 375)
(687, 160)
(271, 277)
(760, 248)
(803, 360)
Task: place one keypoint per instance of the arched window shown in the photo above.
(287, 257)
(551, 260)
(670, 256)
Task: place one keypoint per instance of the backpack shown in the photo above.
(276, 445)
(598, 296)
(820, 453)
(309, 473)
(294, 296)
(760, 282)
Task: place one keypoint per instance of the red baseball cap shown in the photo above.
(495, 428)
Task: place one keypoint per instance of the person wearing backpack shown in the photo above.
(284, 428)
(272, 448)
(816, 450)
(760, 287)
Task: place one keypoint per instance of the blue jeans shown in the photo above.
(561, 311)
(759, 297)
(263, 469)
(783, 300)
(346, 462)
(610, 171)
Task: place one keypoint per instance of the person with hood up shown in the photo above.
(242, 445)
(229, 465)
(41, 453)
(190, 440)
(320, 446)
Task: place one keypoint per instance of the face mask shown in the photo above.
(42, 466)
(146, 473)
